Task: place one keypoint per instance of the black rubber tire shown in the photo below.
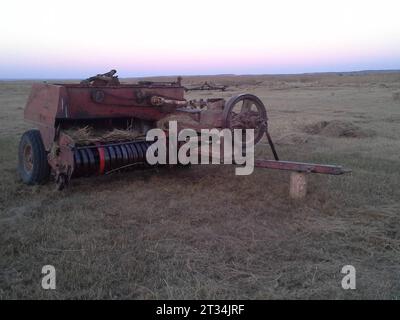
(40, 171)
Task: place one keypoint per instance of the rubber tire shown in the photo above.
(41, 169)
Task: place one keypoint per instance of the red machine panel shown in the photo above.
(113, 102)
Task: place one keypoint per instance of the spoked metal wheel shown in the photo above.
(246, 111)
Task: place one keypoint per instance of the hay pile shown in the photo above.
(292, 139)
(88, 135)
(338, 129)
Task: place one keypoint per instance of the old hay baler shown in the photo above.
(99, 126)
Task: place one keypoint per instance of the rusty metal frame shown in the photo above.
(301, 167)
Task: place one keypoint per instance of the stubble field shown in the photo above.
(202, 232)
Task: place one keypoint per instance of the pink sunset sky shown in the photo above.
(75, 39)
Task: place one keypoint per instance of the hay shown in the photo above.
(316, 128)
(292, 139)
(338, 129)
(80, 134)
(183, 120)
(88, 135)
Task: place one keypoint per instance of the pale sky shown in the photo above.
(75, 39)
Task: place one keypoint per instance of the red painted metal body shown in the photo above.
(115, 102)
(42, 107)
(49, 104)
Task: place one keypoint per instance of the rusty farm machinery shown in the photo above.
(206, 86)
(99, 126)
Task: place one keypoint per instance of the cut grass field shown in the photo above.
(202, 232)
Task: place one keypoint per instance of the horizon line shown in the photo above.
(224, 74)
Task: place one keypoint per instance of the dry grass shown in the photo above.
(202, 232)
(87, 135)
(337, 129)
